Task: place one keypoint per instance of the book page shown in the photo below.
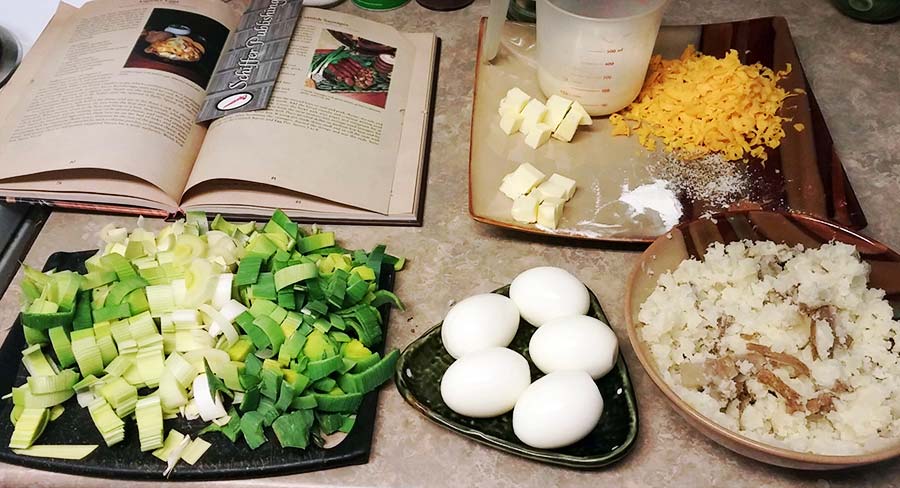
(333, 125)
(118, 91)
(247, 198)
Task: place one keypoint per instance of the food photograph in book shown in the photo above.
(178, 42)
(352, 66)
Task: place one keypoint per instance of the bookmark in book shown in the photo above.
(246, 72)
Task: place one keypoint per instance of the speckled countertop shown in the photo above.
(853, 68)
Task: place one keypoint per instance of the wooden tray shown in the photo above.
(804, 174)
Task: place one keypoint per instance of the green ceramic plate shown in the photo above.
(424, 362)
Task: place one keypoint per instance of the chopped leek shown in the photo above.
(163, 314)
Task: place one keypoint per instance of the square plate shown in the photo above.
(804, 174)
(126, 461)
(423, 363)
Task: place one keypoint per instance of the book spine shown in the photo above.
(92, 207)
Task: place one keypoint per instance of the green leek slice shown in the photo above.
(371, 378)
(252, 429)
(59, 339)
(315, 241)
(346, 403)
(72, 452)
(29, 426)
(292, 430)
(295, 274)
(63, 381)
(36, 363)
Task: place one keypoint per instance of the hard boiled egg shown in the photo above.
(546, 293)
(557, 410)
(485, 383)
(479, 322)
(578, 343)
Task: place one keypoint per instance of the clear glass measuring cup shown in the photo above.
(592, 51)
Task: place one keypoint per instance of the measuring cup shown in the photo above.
(592, 51)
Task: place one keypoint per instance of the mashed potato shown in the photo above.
(781, 344)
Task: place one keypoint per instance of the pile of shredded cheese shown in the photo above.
(700, 104)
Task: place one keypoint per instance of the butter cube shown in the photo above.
(511, 122)
(585, 117)
(525, 209)
(539, 135)
(533, 114)
(550, 212)
(549, 190)
(515, 99)
(508, 187)
(568, 126)
(567, 184)
(557, 107)
(521, 181)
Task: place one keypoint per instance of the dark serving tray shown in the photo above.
(125, 460)
(423, 363)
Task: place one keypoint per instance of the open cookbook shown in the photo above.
(101, 116)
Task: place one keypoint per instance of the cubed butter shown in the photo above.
(533, 114)
(521, 181)
(549, 213)
(511, 122)
(508, 187)
(567, 184)
(516, 99)
(538, 135)
(557, 107)
(585, 117)
(548, 190)
(525, 209)
(566, 129)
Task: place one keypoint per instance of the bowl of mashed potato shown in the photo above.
(774, 335)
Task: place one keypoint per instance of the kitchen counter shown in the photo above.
(853, 68)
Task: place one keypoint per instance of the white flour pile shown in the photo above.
(655, 196)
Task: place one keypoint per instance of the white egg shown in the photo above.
(546, 293)
(479, 322)
(578, 343)
(558, 410)
(485, 383)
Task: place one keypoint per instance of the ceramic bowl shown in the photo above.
(690, 240)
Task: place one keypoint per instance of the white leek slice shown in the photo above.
(173, 438)
(190, 411)
(232, 309)
(220, 322)
(222, 294)
(191, 340)
(183, 371)
(192, 453)
(148, 414)
(222, 422)
(209, 406)
(85, 398)
(161, 299)
(110, 233)
(58, 451)
(150, 363)
(185, 316)
(175, 455)
(171, 394)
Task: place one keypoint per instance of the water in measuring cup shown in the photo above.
(599, 62)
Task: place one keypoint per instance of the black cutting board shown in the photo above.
(125, 459)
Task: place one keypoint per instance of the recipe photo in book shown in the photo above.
(102, 113)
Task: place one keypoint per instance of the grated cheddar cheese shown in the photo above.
(700, 104)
